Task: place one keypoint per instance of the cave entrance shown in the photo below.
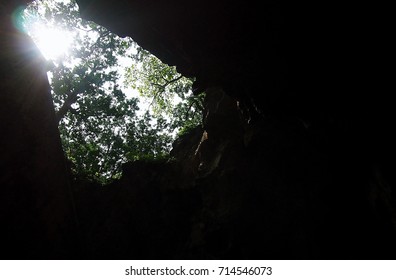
(114, 101)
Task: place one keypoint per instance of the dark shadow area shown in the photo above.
(294, 160)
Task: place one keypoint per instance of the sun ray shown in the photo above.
(51, 41)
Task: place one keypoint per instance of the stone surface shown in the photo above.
(240, 191)
(36, 211)
(306, 174)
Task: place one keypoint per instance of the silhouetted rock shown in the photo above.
(36, 208)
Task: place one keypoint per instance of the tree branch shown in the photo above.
(167, 82)
(66, 107)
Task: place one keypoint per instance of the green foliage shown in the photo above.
(162, 84)
(149, 141)
(101, 127)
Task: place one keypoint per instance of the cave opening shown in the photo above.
(300, 172)
(114, 101)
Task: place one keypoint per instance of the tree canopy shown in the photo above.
(97, 99)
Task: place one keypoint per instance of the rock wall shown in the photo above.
(297, 166)
(36, 212)
(234, 190)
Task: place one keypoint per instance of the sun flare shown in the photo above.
(52, 42)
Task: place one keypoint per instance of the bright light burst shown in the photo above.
(51, 41)
(50, 38)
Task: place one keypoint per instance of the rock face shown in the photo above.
(240, 191)
(292, 161)
(36, 212)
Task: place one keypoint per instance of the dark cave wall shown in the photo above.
(261, 191)
(36, 214)
(307, 172)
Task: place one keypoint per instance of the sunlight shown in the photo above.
(52, 42)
